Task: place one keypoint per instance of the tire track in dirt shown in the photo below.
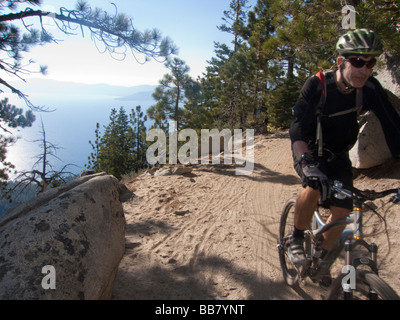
(278, 184)
(196, 233)
(272, 183)
(189, 239)
(222, 244)
(215, 260)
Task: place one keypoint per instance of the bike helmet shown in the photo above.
(360, 42)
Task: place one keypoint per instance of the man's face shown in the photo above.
(356, 77)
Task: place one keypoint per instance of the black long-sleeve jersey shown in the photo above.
(340, 132)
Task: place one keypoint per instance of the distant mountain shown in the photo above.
(54, 87)
(140, 96)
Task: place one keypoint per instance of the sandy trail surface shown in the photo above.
(212, 234)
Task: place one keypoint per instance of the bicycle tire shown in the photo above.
(290, 273)
(363, 279)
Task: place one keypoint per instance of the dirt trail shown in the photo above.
(212, 234)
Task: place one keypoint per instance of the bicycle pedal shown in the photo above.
(303, 282)
(325, 282)
(315, 278)
(280, 247)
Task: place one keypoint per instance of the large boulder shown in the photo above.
(389, 73)
(66, 244)
(371, 149)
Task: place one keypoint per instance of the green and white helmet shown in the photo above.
(359, 42)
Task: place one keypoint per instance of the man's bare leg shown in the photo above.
(333, 234)
(306, 203)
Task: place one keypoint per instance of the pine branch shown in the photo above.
(22, 96)
(148, 43)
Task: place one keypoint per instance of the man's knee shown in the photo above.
(306, 203)
(311, 194)
(338, 212)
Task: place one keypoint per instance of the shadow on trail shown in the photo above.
(184, 283)
(259, 173)
(202, 278)
(262, 173)
(389, 170)
(147, 227)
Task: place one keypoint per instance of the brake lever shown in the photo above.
(395, 198)
(369, 194)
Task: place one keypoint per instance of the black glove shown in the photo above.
(315, 174)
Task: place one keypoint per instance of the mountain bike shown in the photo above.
(359, 278)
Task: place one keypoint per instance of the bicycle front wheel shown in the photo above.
(290, 273)
(369, 286)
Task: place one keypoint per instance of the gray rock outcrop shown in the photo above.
(371, 149)
(389, 74)
(65, 244)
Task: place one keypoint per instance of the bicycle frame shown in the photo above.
(351, 238)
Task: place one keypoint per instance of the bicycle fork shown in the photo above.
(352, 264)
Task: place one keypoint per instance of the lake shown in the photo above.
(69, 127)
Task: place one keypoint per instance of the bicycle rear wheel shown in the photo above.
(369, 286)
(290, 272)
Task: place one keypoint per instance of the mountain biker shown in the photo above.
(357, 51)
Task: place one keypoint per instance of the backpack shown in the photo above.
(319, 111)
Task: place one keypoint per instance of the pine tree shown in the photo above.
(137, 134)
(170, 94)
(122, 147)
(384, 18)
(280, 45)
(92, 158)
(230, 71)
(234, 21)
(197, 110)
(213, 84)
(114, 151)
(286, 37)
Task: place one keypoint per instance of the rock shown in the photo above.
(125, 194)
(152, 170)
(389, 73)
(181, 212)
(371, 149)
(87, 172)
(167, 171)
(72, 237)
(162, 172)
(182, 170)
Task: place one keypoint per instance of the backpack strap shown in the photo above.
(321, 77)
(357, 108)
(321, 104)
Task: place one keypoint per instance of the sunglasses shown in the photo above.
(359, 63)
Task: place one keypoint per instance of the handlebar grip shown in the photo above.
(395, 198)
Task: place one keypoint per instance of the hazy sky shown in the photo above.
(191, 24)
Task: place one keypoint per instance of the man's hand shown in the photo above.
(315, 175)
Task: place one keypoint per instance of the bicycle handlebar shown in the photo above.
(341, 191)
(357, 195)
